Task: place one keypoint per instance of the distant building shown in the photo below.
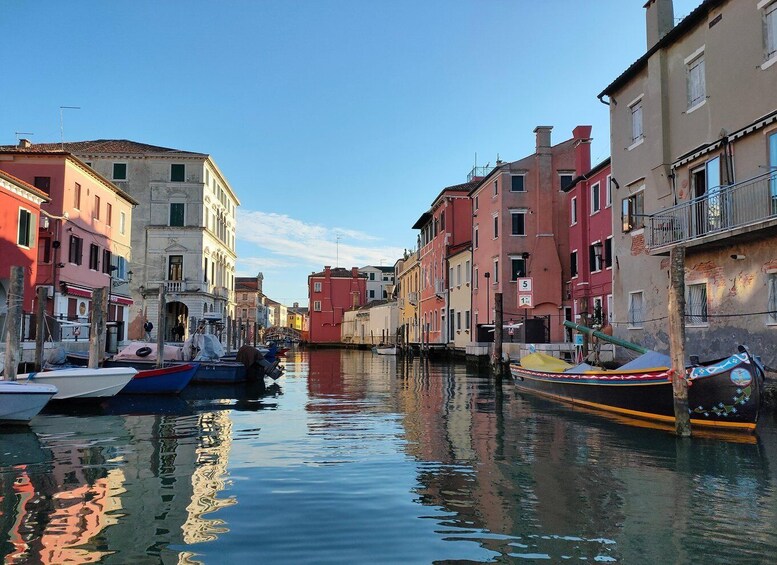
(84, 234)
(380, 280)
(371, 324)
(249, 303)
(331, 293)
(460, 296)
(408, 278)
(277, 312)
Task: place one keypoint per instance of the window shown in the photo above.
(96, 211)
(177, 173)
(122, 222)
(594, 256)
(245, 313)
(120, 171)
(496, 187)
(696, 304)
(77, 196)
(517, 183)
(496, 227)
(317, 286)
(608, 192)
(372, 294)
(697, 91)
(175, 268)
(518, 222)
(43, 183)
(458, 275)
(771, 282)
(610, 311)
(207, 177)
(108, 213)
(637, 133)
(565, 180)
(106, 261)
(518, 268)
(608, 252)
(636, 315)
(770, 30)
(573, 263)
(458, 320)
(94, 257)
(496, 271)
(466, 320)
(177, 210)
(450, 278)
(467, 274)
(317, 306)
(475, 207)
(596, 202)
(632, 214)
(475, 239)
(442, 221)
(773, 169)
(76, 250)
(26, 235)
(475, 279)
(573, 211)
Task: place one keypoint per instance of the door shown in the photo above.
(715, 207)
(773, 170)
(699, 205)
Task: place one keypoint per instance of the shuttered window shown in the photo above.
(697, 91)
(696, 304)
(772, 307)
(177, 213)
(636, 309)
(770, 30)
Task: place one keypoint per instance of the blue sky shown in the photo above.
(331, 119)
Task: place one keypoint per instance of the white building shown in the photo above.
(183, 236)
(380, 281)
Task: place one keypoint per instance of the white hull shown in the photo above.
(82, 382)
(386, 350)
(21, 402)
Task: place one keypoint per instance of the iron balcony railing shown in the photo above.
(722, 209)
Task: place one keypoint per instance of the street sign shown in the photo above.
(524, 284)
(525, 301)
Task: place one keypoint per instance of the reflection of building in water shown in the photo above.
(212, 457)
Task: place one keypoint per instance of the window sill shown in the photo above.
(518, 191)
(636, 232)
(517, 235)
(636, 328)
(595, 212)
(637, 143)
(696, 106)
(702, 325)
(769, 62)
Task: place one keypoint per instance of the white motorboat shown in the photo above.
(81, 382)
(386, 349)
(20, 402)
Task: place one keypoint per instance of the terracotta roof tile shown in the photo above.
(108, 146)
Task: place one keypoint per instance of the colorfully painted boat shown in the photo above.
(83, 383)
(166, 380)
(724, 394)
(20, 402)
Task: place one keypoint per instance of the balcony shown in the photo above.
(412, 298)
(723, 213)
(176, 286)
(439, 287)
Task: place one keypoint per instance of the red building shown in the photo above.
(589, 200)
(446, 225)
(520, 230)
(19, 219)
(332, 292)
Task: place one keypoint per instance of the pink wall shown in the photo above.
(337, 288)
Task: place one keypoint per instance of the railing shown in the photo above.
(439, 286)
(478, 172)
(221, 291)
(175, 286)
(722, 209)
(412, 298)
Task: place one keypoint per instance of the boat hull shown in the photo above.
(21, 402)
(386, 350)
(167, 380)
(725, 395)
(223, 372)
(80, 383)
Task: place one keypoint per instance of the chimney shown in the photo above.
(355, 272)
(24, 144)
(327, 271)
(659, 20)
(582, 137)
(543, 136)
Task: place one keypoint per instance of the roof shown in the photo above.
(246, 283)
(106, 146)
(382, 268)
(677, 32)
(25, 185)
(587, 175)
(463, 188)
(338, 272)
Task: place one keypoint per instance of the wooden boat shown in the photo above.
(220, 372)
(385, 349)
(725, 393)
(166, 380)
(20, 402)
(83, 383)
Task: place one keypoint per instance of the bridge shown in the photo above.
(279, 333)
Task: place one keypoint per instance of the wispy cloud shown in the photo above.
(282, 242)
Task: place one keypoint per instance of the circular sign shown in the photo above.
(741, 377)
(82, 308)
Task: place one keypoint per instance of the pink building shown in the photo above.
(589, 200)
(446, 225)
(331, 293)
(520, 230)
(19, 218)
(84, 236)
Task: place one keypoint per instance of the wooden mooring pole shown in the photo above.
(97, 327)
(13, 321)
(677, 340)
(160, 329)
(40, 326)
(496, 356)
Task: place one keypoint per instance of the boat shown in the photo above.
(385, 349)
(83, 383)
(20, 402)
(166, 380)
(724, 394)
(219, 372)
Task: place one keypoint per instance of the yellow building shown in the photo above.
(460, 297)
(408, 272)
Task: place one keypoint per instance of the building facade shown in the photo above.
(520, 230)
(460, 296)
(694, 151)
(332, 292)
(380, 280)
(408, 274)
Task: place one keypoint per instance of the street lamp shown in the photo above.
(487, 276)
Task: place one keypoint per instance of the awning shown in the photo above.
(123, 301)
(74, 291)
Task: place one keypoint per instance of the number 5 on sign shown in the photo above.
(524, 301)
(524, 284)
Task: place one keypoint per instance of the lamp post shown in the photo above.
(487, 276)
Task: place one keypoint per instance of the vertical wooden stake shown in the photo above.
(40, 326)
(97, 327)
(677, 340)
(13, 320)
(229, 334)
(161, 329)
(496, 359)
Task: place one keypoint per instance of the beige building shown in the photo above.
(408, 272)
(460, 298)
(374, 323)
(694, 163)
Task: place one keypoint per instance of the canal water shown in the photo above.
(358, 458)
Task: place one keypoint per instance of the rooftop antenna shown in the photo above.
(18, 133)
(62, 123)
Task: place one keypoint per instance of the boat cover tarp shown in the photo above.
(209, 347)
(544, 362)
(130, 352)
(649, 360)
(582, 368)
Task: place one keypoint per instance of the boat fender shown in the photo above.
(143, 352)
